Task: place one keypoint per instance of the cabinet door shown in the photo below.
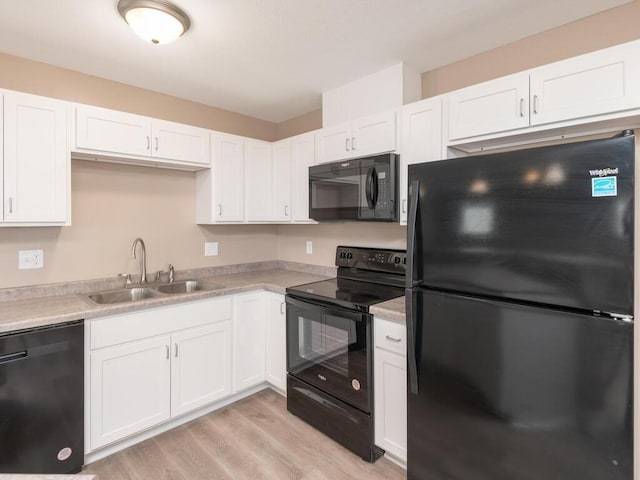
(176, 141)
(130, 389)
(421, 141)
(374, 134)
(333, 143)
(36, 159)
(258, 180)
(249, 340)
(112, 132)
(390, 390)
(495, 106)
(281, 182)
(227, 170)
(606, 81)
(302, 157)
(276, 344)
(201, 366)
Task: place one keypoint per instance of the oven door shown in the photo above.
(330, 348)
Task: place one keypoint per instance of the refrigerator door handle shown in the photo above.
(414, 190)
(411, 342)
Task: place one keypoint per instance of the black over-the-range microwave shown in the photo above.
(357, 189)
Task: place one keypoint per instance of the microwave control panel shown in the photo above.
(385, 260)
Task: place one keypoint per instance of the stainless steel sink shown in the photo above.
(123, 295)
(186, 286)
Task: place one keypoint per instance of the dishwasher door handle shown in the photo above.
(12, 357)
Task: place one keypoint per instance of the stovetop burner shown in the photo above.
(365, 277)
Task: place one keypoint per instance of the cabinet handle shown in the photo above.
(522, 107)
(156, 144)
(282, 309)
(176, 350)
(353, 143)
(219, 209)
(535, 104)
(148, 142)
(10, 204)
(404, 205)
(346, 144)
(167, 347)
(394, 340)
(286, 213)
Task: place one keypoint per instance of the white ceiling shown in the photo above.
(272, 59)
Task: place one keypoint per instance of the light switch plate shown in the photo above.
(210, 249)
(309, 247)
(30, 259)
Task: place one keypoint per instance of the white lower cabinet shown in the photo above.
(201, 366)
(185, 362)
(276, 341)
(390, 387)
(249, 340)
(130, 389)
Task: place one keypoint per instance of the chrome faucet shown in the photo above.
(143, 278)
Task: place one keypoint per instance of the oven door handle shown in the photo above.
(325, 309)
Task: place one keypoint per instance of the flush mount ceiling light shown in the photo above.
(156, 21)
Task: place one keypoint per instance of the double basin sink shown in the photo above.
(134, 294)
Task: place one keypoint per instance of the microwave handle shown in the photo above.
(371, 189)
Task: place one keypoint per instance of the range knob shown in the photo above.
(396, 260)
(349, 255)
(343, 255)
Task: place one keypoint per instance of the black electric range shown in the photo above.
(330, 345)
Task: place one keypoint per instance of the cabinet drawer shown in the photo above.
(390, 336)
(158, 321)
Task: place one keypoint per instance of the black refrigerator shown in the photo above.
(520, 314)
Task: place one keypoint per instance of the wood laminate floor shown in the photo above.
(255, 438)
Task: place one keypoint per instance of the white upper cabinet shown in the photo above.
(597, 83)
(180, 142)
(109, 133)
(421, 141)
(573, 91)
(112, 131)
(220, 189)
(302, 157)
(36, 186)
(489, 107)
(281, 181)
(368, 135)
(258, 180)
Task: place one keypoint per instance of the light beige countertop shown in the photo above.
(20, 311)
(45, 477)
(393, 310)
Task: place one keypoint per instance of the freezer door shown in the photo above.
(510, 392)
(552, 225)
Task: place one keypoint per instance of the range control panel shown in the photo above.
(385, 260)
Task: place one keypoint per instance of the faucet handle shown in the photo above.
(172, 273)
(127, 278)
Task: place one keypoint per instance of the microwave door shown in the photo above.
(335, 193)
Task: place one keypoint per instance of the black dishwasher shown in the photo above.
(41, 400)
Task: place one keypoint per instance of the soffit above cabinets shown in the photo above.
(272, 60)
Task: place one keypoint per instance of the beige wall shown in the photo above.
(326, 237)
(112, 205)
(304, 123)
(41, 79)
(614, 26)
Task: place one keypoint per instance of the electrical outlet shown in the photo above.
(30, 259)
(309, 247)
(210, 249)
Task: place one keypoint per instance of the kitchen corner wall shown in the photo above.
(292, 239)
